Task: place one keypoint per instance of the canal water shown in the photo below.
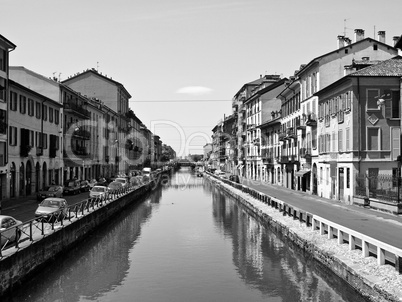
(186, 241)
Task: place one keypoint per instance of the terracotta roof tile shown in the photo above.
(387, 68)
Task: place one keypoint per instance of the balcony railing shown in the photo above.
(305, 152)
(311, 119)
(77, 109)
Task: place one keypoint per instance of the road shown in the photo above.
(24, 209)
(382, 226)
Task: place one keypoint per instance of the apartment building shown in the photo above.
(35, 141)
(259, 107)
(359, 122)
(300, 105)
(114, 96)
(6, 47)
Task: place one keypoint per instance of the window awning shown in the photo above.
(301, 173)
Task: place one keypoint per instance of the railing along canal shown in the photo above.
(35, 229)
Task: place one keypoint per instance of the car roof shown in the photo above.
(6, 216)
(99, 187)
(55, 199)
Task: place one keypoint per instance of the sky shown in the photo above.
(182, 61)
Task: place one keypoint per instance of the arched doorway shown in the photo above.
(12, 180)
(22, 180)
(37, 177)
(28, 178)
(44, 175)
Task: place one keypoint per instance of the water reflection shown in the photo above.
(186, 241)
(266, 263)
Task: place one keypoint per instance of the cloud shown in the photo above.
(194, 90)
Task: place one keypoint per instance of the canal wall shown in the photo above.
(367, 288)
(18, 267)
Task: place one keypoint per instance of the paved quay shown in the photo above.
(382, 226)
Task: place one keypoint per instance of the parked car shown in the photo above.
(52, 191)
(8, 230)
(92, 183)
(220, 173)
(98, 191)
(122, 180)
(115, 186)
(72, 186)
(84, 185)
(234, 178)
(51, 209)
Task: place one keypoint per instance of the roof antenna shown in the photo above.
(344, 27)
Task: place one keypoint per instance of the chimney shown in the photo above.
(341, 42)
(359, 35)
(381, 36)
(347, 41)
(395, 38)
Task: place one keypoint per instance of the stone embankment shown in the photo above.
(375, 283)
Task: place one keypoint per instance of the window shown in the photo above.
(347, 140)
(395, 142)
(44, 112)
(31, 137)
(314, 138)
(348, 178)
(3, 60)
(3, 121)
(13, 101)
(38, 110)
(348, 101)
(51, 114)
(31, 107)
(12, 139)
(23, 104)
(44, 140)
(333, 142)
(56, 117)
(38, 140)
(392, 103)
(340, 141)
(371, 101)
(375, 47)
(373, 138)
(3, 154)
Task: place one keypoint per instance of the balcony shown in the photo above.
(281, 136)
(305, 152)
(82, 133)
(76, 110)
(290, 133)
(311, 119)
(301, 123)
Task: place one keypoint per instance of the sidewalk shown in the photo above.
(382, 226)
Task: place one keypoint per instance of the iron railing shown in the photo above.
(383, 187)
(35, 229)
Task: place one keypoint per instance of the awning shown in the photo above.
(301, 173)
